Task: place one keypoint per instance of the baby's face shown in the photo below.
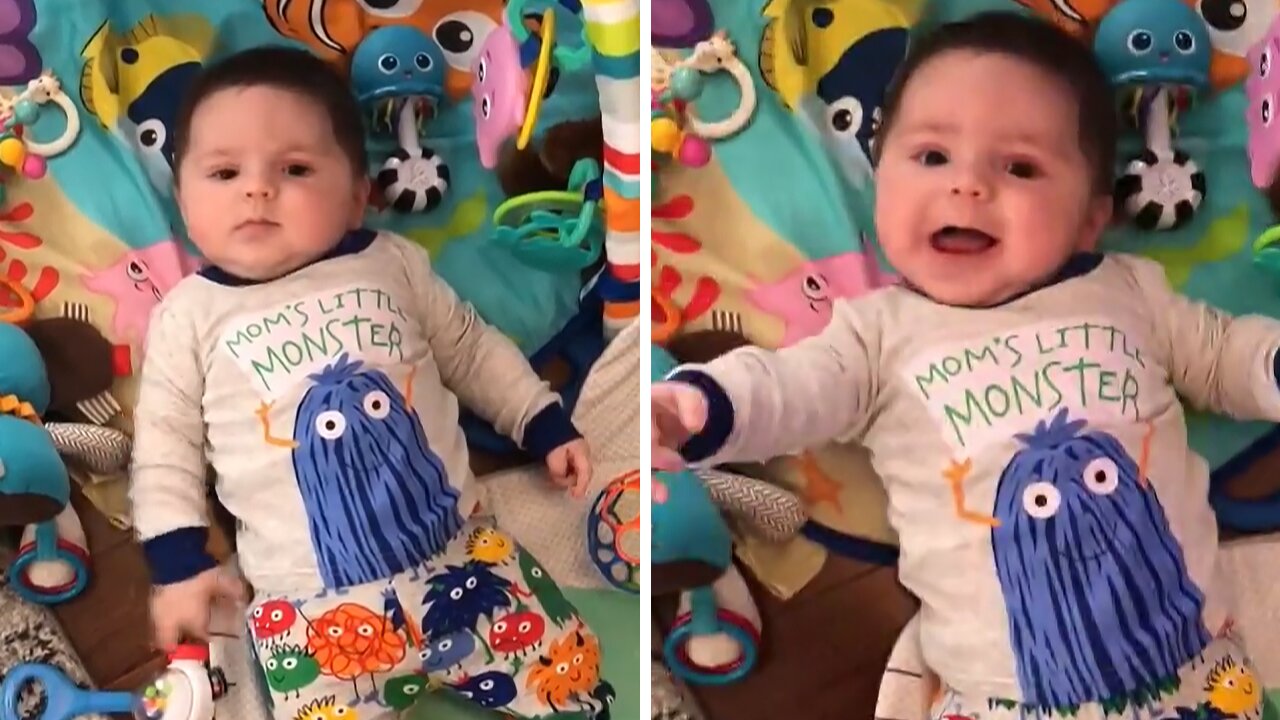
(264, 188)
(982, 189)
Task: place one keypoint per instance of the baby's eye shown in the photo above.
(224, 173)
(297, 170)
(930, 158)
(1022, 169)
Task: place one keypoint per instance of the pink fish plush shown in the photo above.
(803, 298)
(137, 282)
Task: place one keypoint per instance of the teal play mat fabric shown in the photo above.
(822, 210)
(123, 186)
(615, 618)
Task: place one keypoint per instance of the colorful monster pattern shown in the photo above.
(1100, 605)
(456, 623)
(1218, 684)
(376, 495)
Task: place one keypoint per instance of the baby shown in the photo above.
(318, 366)
(1018, 393)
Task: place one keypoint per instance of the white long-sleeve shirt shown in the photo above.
(1052, 519)
(326, 403)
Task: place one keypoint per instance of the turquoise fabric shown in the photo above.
(110, 182)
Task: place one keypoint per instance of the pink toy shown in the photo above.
(498, 89)
(694, 152)
(803, 298)
(137, 282)
(34, 167)
(1262, 90)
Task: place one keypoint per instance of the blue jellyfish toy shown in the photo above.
(398, 74)
(1156, 52)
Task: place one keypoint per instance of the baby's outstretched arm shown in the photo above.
(1217, 362)
(762, 404)
(483, 367)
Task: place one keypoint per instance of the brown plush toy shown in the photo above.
(547, 166)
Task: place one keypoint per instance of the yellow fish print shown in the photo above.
(806, 41)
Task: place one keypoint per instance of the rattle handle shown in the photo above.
(63, 699)
(1158, 132)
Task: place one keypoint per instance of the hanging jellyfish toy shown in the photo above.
(398, 75)
(513, 73)
(1156, 53)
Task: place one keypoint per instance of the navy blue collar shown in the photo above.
(354, 242)
(1075, 266)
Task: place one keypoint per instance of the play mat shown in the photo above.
(756, 235)
(91, 230)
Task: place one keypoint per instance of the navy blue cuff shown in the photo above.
(178, 555)
(715, 433)
(548, 430)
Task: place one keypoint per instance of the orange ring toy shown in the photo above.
(666, 318)
(26, 302)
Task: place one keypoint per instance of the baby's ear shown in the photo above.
(1098, 216)
(359, 201)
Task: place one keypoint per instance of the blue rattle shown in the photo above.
(1157, 53)
(398, 73)
(186, 690)
(64, 700)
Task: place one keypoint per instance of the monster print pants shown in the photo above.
(482, 620)
(1218, 684)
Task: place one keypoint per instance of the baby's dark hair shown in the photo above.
(283, 68)
(1044, 46)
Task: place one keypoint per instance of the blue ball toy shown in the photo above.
(29, 463)
(23, 372)
(1153, 42)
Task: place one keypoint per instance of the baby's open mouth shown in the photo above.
(955, 240)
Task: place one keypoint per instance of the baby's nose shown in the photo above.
(971, 187)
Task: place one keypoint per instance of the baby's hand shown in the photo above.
(678, 410)
(570, 467)
(181, 610)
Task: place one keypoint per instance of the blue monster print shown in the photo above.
(376, 496)
(458, 597)
(1100, 605)
(493, 689)
(447, 651)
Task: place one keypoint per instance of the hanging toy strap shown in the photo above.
(11, 292)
